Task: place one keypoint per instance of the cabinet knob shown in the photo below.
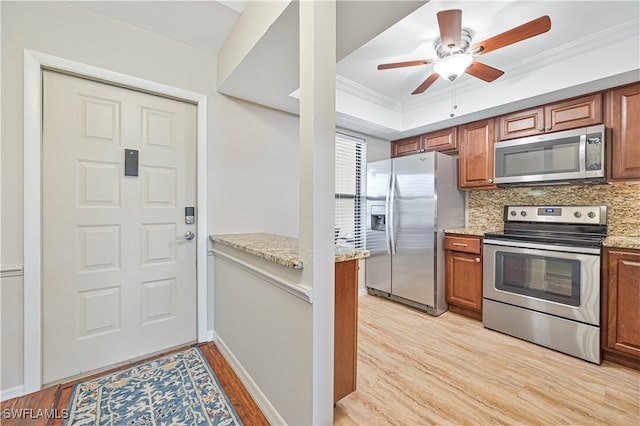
(477, 260)
(490, 180)
(540, 128)
(548, 128)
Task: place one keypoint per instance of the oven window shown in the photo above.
(548, 278)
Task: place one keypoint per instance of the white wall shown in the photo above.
(250, 147)
(253, 169)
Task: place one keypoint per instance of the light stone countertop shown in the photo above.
(478, 232)
(622, 242)
(279, 248)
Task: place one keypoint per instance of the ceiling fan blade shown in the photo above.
(484, 72)
(450, 23)
(514, 35)
(425, 84)
(404, 64)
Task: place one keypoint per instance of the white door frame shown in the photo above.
(33, 64)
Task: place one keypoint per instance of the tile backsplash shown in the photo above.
(622, 200)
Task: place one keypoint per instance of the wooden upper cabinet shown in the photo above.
(522, 123)
(442, 140)
(476, 154)
(579, 112)
(405, 146)
(623, 117)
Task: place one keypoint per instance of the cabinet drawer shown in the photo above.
(465, 244)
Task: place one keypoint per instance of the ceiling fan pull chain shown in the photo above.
(453, 100)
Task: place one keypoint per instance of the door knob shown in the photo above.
(189, 235)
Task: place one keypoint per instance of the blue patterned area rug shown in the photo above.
(176, 389)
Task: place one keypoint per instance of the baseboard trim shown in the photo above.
(362, 292)
(210, 336)
(261, 400)
(13, 392)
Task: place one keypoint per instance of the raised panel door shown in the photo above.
(624, 119)
(464, 286)
(442, 140)
(476, 155)
(522, 123)
(623, 301)
(118, 276)
(574, 113)
(406, 146)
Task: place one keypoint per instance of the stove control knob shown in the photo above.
(513, 213)
(523, 213)
(577, 214)
(591, 215)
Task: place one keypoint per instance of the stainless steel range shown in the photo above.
(541, 279)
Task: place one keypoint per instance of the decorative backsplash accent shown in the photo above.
(622, 200)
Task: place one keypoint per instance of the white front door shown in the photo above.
(119, 276)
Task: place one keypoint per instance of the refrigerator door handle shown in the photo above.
(392, 213)
(387, 215)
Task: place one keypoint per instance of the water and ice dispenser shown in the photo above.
(378, 218)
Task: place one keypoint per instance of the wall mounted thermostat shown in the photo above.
(189, 215)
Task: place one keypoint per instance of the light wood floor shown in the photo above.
(414, 369)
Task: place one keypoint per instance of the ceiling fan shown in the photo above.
(456, 54)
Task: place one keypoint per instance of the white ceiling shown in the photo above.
(591, 45)
(200, 24)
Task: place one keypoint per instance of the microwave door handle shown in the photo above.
(582, 153)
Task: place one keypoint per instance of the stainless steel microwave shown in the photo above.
(570, 156)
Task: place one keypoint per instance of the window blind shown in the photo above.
(350, 191)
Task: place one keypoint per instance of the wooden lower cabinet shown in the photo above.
(621, 306)
(463, 271)
(345, 350)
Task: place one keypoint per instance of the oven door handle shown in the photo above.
(549, 247)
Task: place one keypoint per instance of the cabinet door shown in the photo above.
(521, 123)
(405, 146)
(464, 280)
(574, 113)
(476, 155)
(622, 118)
(623, 301)
(443, 140)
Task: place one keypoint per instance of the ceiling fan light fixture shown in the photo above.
(451, 67)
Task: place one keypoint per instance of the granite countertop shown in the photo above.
(279, 248)
(478, 232)
(622, 242)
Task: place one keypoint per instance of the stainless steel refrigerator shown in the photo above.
(410, 201)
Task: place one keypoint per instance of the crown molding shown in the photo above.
(356, 89)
